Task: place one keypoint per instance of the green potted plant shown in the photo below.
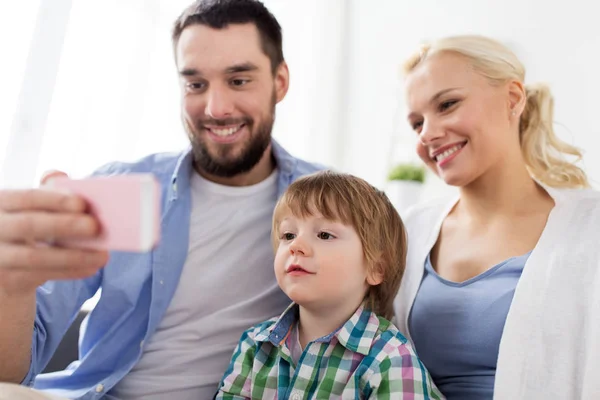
(405, 184)
(407, 172)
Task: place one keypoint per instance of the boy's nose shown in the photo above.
(299, 247)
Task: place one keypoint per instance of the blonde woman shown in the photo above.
(501, 295)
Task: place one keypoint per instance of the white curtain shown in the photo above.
(92, 82)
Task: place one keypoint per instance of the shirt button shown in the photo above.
(161, 282)
(99, 388)
(296, 396)
(141, 344)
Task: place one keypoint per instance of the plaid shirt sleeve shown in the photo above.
(397, 373)
(237, 381)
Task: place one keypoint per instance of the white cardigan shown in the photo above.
(550, 346)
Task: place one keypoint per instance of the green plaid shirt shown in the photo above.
(367, 358)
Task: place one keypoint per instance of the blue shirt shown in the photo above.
(136, 288)
(457, 327)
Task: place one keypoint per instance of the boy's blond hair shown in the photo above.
(354, 202)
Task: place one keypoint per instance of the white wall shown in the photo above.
(559, 43)
(116, 94)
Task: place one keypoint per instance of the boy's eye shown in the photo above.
(325, 236)
(288, 236)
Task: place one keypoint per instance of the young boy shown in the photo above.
(340, 251)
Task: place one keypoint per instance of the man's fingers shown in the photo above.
(39, 200)
(36, 258)
(53, 173)
(44, 226)
(17, 281)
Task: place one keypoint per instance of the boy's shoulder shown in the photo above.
(261, 331)
(274, 329)
(387, 331)
(389, 342)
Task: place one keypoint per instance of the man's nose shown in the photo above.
(219, 103)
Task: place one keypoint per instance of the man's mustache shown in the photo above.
(223, 122)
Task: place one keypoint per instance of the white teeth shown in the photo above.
(448, 153)
(225, 132)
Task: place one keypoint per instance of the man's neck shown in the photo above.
(261, 171)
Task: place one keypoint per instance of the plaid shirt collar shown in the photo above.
(356, 334)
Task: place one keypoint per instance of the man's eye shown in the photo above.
(239, 82)
(195, 86)
(325, 236)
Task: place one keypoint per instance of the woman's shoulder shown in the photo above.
(578, 212)
(586, 200)
(427, 212)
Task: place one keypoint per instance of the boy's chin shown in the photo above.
(302, 298)
(299, 299)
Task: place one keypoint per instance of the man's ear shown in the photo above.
(282, 81)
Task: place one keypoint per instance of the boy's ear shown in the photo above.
(375, 274)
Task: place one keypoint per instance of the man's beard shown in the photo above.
(222, 164)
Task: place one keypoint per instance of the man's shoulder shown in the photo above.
(290, 164)
(305, 168)
(157, 163)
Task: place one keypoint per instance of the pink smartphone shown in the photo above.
(127, 207)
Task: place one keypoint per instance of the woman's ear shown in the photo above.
(517, 98)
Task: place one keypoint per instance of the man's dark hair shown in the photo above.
(218, 14)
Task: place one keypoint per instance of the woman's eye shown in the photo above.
(447, 104)
(417, 126)
(325, 236)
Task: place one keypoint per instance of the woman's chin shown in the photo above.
(455, 178)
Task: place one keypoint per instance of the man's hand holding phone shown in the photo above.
(65, 229)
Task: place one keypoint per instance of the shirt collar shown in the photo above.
(357, 334)
(285, 161)
(286, 164)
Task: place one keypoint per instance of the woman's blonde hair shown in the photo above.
(354, 202)
(543, 151)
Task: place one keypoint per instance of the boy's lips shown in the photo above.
(295, 269)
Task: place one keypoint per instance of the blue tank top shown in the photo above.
(456, 327)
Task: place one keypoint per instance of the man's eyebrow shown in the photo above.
(236, 68)
(190, 72)
(244, 67)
